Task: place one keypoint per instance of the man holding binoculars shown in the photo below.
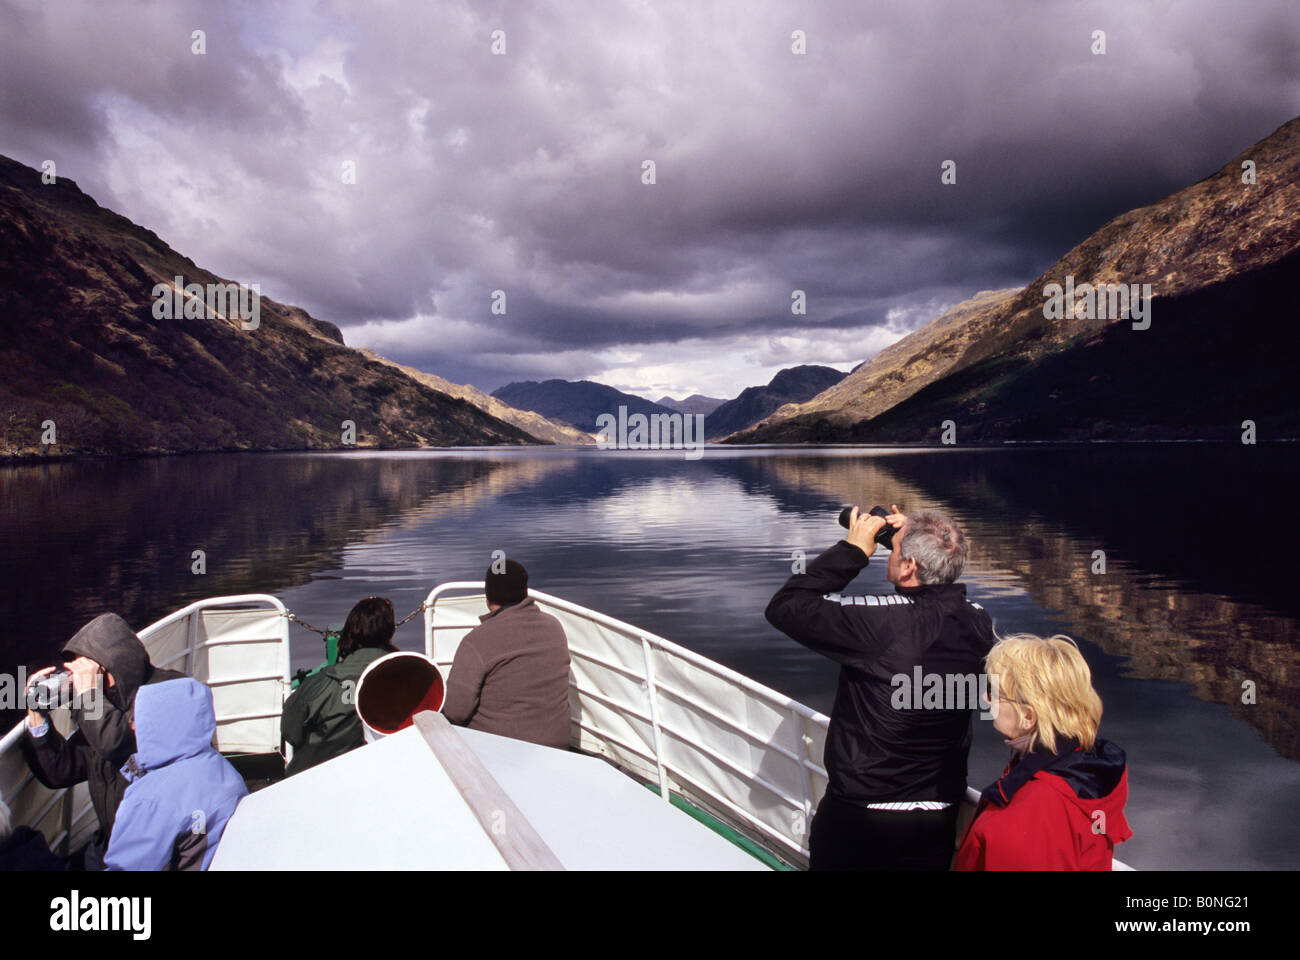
(106, 659)
(896, 774)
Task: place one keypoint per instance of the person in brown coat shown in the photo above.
(510, 675)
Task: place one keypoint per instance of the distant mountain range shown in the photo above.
(574, 402)
(695, 403)
(1222, 258)
(792, 385)
(581, 402)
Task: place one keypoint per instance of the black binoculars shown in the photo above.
(884, 537)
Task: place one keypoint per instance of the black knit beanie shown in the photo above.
(506, 588)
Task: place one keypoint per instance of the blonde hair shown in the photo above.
(1050, 675)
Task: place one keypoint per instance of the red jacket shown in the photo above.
(1051, 812)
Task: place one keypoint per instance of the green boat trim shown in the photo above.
(726, 831)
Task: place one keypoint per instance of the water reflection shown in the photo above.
(1193, 601)
(80, 538)
(1194, 587)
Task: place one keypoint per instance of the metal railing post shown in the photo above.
(801, 751)
(192, 639)
(428, 629)
(654, 720)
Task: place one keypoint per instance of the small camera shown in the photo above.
(884, 537)
(50, 692)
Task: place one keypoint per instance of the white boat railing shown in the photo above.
(238, 645)
(742, 752)
(738, 750)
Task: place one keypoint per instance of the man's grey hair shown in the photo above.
(936, 544)
(6, 827)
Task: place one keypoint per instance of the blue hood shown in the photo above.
(173, 720)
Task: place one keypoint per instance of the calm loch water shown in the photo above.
(1197, 601)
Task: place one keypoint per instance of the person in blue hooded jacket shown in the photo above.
(181, 791)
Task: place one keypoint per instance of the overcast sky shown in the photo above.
(523, 171)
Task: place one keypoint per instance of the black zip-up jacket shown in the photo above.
(877, 750)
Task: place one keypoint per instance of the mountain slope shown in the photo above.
(1192, 376)
(578, 403)
(894, 373)
(792, 385)
(80, 346)
(547, 431)
(1217, 255)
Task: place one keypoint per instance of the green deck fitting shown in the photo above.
(331, 657)
(755, 850)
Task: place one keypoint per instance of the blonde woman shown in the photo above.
(1059, 805)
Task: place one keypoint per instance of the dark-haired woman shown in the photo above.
(320, 719)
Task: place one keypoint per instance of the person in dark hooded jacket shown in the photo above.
(105, 651)
(320, 718)
(182, 792)
(1059, 805)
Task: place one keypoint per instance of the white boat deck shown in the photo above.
(392, 805)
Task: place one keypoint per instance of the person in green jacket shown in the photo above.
(320, 719)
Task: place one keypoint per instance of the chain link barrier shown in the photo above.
(294, 618)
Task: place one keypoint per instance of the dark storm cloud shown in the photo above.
(522, 172)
